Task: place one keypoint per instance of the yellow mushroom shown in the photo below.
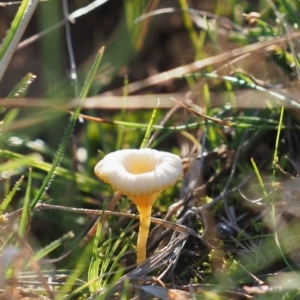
(141, 175)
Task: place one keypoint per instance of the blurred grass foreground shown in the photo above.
(214, 82)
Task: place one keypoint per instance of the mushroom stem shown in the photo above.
(145, 220)
(144, 206)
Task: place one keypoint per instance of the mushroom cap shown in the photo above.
(139, 172)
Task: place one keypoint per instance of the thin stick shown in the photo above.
(200, 64)
(167, 224)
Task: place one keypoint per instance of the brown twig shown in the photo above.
(167, 224)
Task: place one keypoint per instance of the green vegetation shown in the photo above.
(216, 83)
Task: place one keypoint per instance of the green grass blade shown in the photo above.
(25, 212)
(277, 143)
(110, 252)
(125, 289)
(9, 197)
(149, 128)
(22, 87)
(290, 11)
(106, 259)
(79, 268)
(120, 134)
(8, 120)
(69, 130)
(7, 242)
(212, 35)
(54, 245)
(14, 27)
(19, 91)
(273, 201)
(246, 81)
(90, 78)
(119, 256)
(261, 183)
(107, 294)
(81, 288)
(95, 261)
(18, 161)
(188, 24)
(15, 32)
